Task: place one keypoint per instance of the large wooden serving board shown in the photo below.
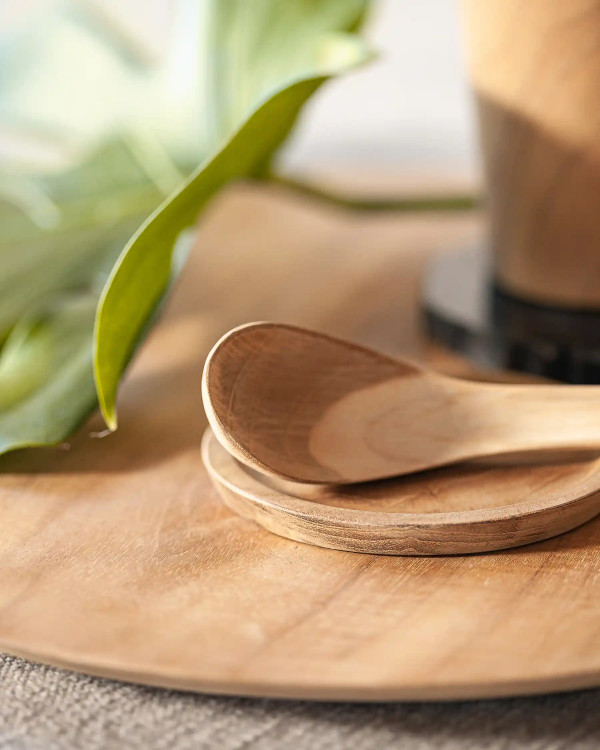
(117, 557)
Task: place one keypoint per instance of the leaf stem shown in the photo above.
(404, 204)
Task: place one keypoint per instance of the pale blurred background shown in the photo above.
(409, 111)
(410, 108)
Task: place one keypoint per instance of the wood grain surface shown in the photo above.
(118, 558)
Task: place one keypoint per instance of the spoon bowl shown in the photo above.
(310, 408)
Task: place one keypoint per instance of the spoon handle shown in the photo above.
(409, 424)
(526, 417)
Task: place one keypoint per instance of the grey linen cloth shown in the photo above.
(50, 709)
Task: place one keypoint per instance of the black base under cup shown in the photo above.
(467, 312)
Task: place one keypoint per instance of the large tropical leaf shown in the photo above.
(270, 56)
(259, 61)
(141, 275)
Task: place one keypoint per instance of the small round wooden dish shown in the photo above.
(455, 510)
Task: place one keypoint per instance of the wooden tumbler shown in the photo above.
(535, 70)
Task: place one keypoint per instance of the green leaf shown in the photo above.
(65, 230)
(140, 277)
(57, 247)
(46, 384)
(66, 333)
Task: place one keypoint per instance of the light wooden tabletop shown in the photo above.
(118, 558)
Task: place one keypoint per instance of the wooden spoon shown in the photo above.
(304, 406)
(454, 510)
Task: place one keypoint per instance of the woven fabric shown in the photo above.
(50, 709)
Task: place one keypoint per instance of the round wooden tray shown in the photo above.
(118, 558)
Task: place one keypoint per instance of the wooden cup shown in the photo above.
(535, 70)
